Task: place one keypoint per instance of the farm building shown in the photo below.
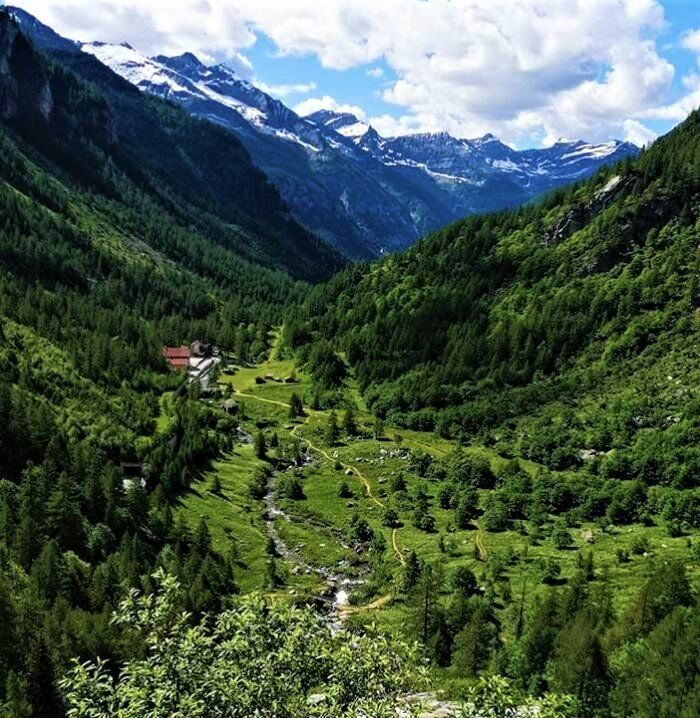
(177, 357)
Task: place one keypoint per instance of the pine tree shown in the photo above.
(378, 428)
(296, 408)
(561, 537)
(412, 571)
(398, 483)
(260, 445)
(332, 433)
(349, 424)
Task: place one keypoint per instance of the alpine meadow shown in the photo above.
(312, 411)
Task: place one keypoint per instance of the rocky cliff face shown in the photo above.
(23, 82)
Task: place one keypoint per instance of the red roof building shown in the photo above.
(177, 357)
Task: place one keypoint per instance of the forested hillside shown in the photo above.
(510, 494)
(561, 332)
(124, 225)
(102, 135)
(558, 347)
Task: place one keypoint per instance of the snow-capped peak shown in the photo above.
(344, 123)
(185, 63)
(148, 74)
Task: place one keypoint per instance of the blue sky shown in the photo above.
(362, 86)
(530, 72)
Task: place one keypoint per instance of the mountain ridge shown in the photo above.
(359, 196)
(500, 316)
(488, 149)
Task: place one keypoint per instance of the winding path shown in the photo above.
(310, 413)
(395, 546)
(479, 542)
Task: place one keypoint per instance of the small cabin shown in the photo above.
(178, 358)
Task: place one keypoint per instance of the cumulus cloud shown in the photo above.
(677, 111)
(532, 68)
(314, 104)
(206, 27)
(637, 133)
(691, 41)
(286, 90)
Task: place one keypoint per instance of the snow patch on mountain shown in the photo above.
(363, 192)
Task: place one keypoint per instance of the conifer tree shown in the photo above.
(260, 445)
(332, 433)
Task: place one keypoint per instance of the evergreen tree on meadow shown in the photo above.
(332, 432)
(349, 423)
(260, 445)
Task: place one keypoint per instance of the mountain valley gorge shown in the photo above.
(300, 421)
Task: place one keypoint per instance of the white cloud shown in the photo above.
(375, 72)
(637, 133)
(677, 111)
(532, 68)
(691, 41)
(170, 27)
(314, 104)
(286, 90)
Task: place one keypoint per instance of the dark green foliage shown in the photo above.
(124, 226)
(332, 431)
(463, 581)
(360, 530)
(260, 445)
(467, 502)
(561, 537)
(344, 491)
(296, 409)
(378, 428)
(475, 642)
(569, 348)
(465, 470)
(258, 486)
(290, 487)
(390, 518)
(398, 483)
(422, 519)
(326, 367)
(412, 571)
(349, 425)
(666, 590)
(656, 675)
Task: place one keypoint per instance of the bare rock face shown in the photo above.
(23, 80)
(8, 85)
(580, 215)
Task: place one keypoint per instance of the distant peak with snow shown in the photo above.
(186, 63)
(363, 192)
(344, 123)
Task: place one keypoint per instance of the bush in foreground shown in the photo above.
(255, 659)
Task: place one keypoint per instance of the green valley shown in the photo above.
(240, 477)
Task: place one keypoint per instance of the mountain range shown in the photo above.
(361, 192)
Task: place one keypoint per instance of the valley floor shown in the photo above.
(314, 529)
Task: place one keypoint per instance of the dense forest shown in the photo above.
(108, 252)
(564, 332)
